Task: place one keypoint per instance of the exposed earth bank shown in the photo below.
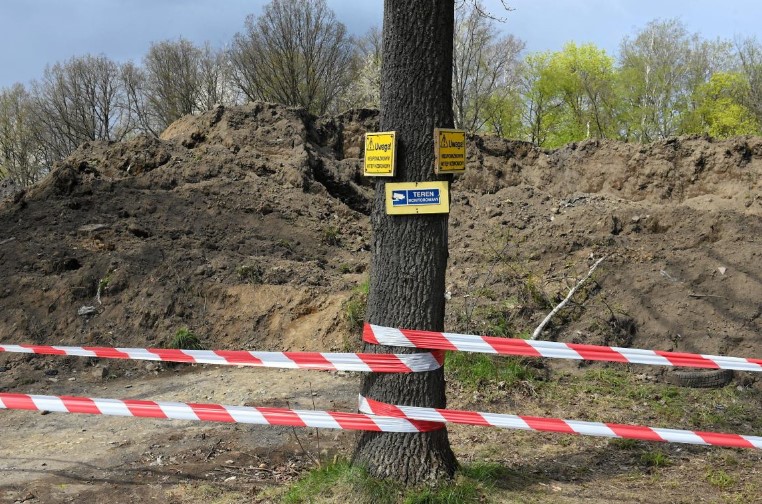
(248, 225)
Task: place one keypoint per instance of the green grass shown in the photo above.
(720, 479)
(476, 370)
(185, 339)
(251, 273)
(332, 236)
(354, 308)
(340, 482)
(655, 458)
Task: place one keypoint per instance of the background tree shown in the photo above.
(661, 68)
(364, 88)
(581, 78)
(540, 104)
(749, 53)
(215, 79)
(295, 53)
(503, 110)
(172, 82)
(484, 65)
(20, 158)
(720, 108)
(80, 100)
(410, 251)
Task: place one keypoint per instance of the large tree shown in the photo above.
(661, 67)
(173, 81)
(21, 158)
(485, 65)
(295, 53)
(80, 100)
(410, 252)
(749, 53)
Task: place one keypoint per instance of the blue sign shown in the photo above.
(416, 197)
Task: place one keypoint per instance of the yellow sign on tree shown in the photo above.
(379, 154)
(449, 151)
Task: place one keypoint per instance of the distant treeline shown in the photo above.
(664, 82)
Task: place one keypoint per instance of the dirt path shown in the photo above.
(66, 458)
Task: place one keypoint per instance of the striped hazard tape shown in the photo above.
(530, 348)
(376, 363)
(558, 425)
(214, 413)
(373, 416)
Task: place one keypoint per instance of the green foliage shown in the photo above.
(286, 244)
(655, 459)
(341, 482)
(456, 493)
(355, 307)
(720, 108)
(251, 273)
(185, 339)
(332, 236)
(720, 479)
(103, 282)
(476, 370)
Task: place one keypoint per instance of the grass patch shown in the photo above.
(655, 459)
(355, 307)
(185, 339)
(475, 370)
(720, 479)
(332, 236)
(340, 482)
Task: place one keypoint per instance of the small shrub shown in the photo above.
(286, 244)
(185, 339)
(103, 283)
(251, 273)
(655, 459)
(332, 236)
(354, 308)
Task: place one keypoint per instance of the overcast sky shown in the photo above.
(34, 33)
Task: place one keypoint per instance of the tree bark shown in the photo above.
(410, 251)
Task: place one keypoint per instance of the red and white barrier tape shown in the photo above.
(530, 348)
(214, 413)
(376, 363)
(599, 429)
(374, 416)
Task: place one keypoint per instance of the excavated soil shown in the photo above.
(249, 226)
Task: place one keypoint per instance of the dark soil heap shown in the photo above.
(249, 226)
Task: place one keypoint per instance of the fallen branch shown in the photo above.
(558, 308)
(7, 240)
(699, 296)
(214, 448)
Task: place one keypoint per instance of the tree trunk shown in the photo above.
(410, 251)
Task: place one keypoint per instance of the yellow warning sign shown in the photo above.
(417, 198)
(449, 151)
(379, 154)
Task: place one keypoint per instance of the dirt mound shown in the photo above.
(678, 221)
(249, 225)
(226, 225)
